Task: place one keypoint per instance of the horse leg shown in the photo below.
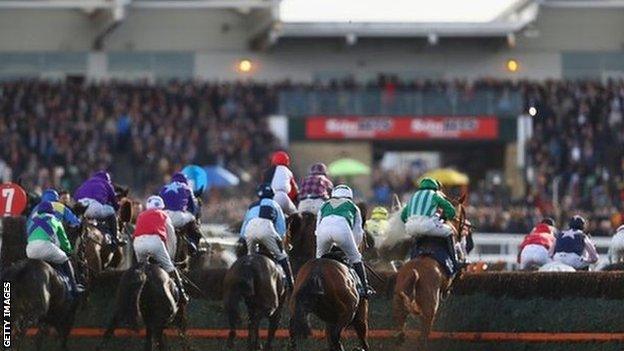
(161, 339)
(149, 338)
(63, 332)
(42, 333)
(360, 324)
(231, 304)
(274, 320)
(429, 307)
(252, 339)
(399, 314)
(333, 337)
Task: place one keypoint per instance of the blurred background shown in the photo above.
(519, 102)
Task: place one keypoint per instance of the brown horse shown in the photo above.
(326, 288)
(41, 298)
(300, 239)
(422, 282)
(257, 281)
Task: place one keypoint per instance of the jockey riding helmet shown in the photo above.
(154, 201)
(280, 158)
(264, 191)
(342, 191)
(577, 222)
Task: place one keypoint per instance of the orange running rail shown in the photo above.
(373, 334)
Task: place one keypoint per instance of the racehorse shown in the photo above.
(257, 281)
(147, 292)
(327, 288)
(41, 298)
(208, 271)
(422, 282)
(99, 255)
(300, 239)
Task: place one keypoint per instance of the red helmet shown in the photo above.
(280, 158)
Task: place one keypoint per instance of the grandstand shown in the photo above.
(520, 103)
(236, 63)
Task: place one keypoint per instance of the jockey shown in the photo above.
(315, 189)
(283, 182)
(48, 241)
(98, 195)
(61, 211)
(421, 216)
(535, 248)
(378, 223)
(153, 227)
(573, 247)
(265, 224)
(182, 207)
(339, 222)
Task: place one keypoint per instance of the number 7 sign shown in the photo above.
(12, 199)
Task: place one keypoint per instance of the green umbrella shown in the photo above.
(346, 167)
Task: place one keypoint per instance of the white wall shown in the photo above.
(220, 39)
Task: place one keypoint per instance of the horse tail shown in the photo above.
(129, 295)
(246, 281)
(314, 284)
(406, 292)
(305, 296)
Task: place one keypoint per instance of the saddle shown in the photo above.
(435, 248)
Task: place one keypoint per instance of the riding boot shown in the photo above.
(68, 270)
(194, 236)
(111, 222)
(285, 263)
(184, 298)
(452, 252)
(366, 291)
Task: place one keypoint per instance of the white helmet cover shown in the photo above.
(342, 191)
(154, 201)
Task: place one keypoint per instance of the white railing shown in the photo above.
(503, 247)
(489, 247)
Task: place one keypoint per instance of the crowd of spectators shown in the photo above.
(57, 133)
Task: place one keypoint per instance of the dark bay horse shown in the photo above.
(422, 282)
(99, 255)
(146, 292)
(258, 282)
(326, 288)
(40, 298)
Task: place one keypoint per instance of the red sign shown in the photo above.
(12, 199)
(352, 127)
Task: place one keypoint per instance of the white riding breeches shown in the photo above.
(262, 231)
(152, 246)
(534, 256)
(335, 230)
(96, 209)
(571, 259)
(46, 251)
(311, 205)
(427, 226)
(180, 218)
(285, 202)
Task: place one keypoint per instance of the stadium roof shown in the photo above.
(349, 19)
